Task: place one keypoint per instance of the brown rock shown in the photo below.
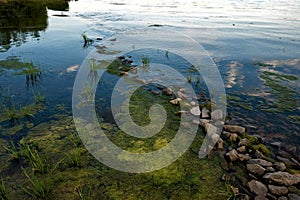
(280, 166)
(278, 190)
(256, 169)
(205, 113)
(226, 134)
(244, 142)
(282, 178)
(282, 198)
(293, 196)
(233, 137)
(270, 169)
(244, 157)
(232, 155)
(220, 144)
(241, 149)
(217, 115)
(175, 101)
(258, 188)
(167, 91)
(181, 95)
(234, 129)
(260, 162)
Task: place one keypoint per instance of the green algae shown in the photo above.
(294, 119)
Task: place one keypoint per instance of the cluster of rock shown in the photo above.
(268, 176)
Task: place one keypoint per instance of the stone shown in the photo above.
(181, 95)
(291, 149)
(203, 122)
(167, 91)
(232, 155)
(214, 138)
(186, 125)
(155, 92)
(278, 145)
(258, 188)
(287, 161)
(220, 144)
(244, 157)
(241, 149)
(195, 111)
(182, 112)
(278, 190)
(282, 198)
(260, 162)
(292, 196)
(193, 103)
(233, 137)
(260, 198)
(175, 101)
(279, 166)
(205, 113)
(270, 169)
(226, 134)
(234, 129)
(210, 129)
(282, 178)
(217, 115)
(243, 197)
(123, 73)
(256, 169)
(244, 142)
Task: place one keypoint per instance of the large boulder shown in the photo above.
(282, 178)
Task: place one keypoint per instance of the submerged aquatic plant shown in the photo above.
(145, 61)
(93, 73)
(73, 158)
(87, 41)
(39, 188)
(83, 194)
(11, 113)
(33, 74)
(38, 98)
(37, 162)
(3, 191)
(12, 151)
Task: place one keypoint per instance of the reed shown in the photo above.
(3, 191)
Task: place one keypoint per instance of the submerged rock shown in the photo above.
(234, 129)
(205, 113)
(167, 91)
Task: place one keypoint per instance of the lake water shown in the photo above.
(254, 44)
(236, 34)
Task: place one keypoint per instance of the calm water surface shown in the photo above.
(238, 35)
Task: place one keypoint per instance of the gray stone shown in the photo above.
(287, 161)
(258, 188)
(234, 129)
(232, 155)
(256, 169)
(217, 115)
(293, 196)
(214, 138)
(244, 142)
(282, 178)
(205, 113)
(261, 162)
(195, 111)
(279, 166)
(278, 190)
